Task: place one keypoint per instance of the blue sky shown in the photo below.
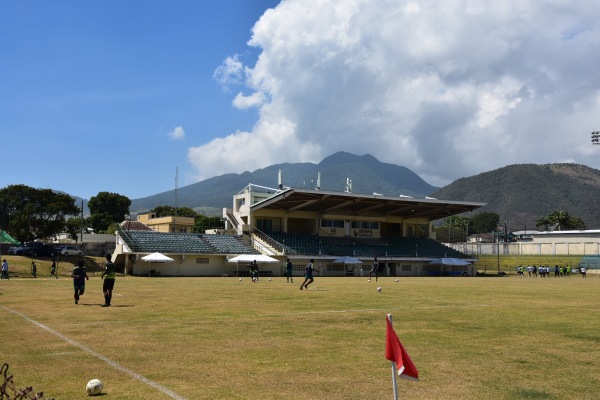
(116, 95)
(90, 90)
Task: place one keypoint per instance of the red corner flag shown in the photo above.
(394, 351)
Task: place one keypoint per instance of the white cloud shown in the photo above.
(254, 100)
(447, 89)
(230, 72)
(177, 134)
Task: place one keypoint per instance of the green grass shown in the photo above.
(219, 338)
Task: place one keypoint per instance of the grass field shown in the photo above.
(219, 338)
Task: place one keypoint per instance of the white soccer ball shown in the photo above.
(240, 279)
(379, 289)
(93, 387)
(369, 280)
(396, 280)
(269, 279)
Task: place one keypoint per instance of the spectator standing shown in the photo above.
(4, 274)
(289, 271)
(53, 270)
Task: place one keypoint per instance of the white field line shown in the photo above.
(107, 360)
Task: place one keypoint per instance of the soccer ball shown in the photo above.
(396, 280)
(93, 387)
(369, 280)
(379, 289)
(240, 279)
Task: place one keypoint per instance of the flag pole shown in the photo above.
(394, 381)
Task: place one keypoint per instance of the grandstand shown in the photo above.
(302, 224)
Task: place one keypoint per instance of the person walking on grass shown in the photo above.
(4, 274)
(374, 269)
(33, 269)
(289, 270)
(53, 270)
(109, 274)
(583, 272)
(308, 275)
(79, 276)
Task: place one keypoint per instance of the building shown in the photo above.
(303, 224)
(167, 224)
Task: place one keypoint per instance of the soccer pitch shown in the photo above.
(221, 338)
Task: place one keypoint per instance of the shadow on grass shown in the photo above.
(532, 394)
(101, 304)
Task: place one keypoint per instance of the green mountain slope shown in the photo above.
(522, 193)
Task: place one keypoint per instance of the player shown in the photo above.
(108, 275)
(288, 271)
(374, 269)
(53, 270)
(79, 276)
(308, 275)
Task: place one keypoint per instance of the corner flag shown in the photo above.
(394, 351)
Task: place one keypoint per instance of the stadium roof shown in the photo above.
(293, 199)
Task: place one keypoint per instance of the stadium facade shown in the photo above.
(304, 224)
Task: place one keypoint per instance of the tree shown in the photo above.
(168, 211)
(30, 213)
(107, 208)
(203, 223)
(543, 221)
(485, 222)
(73, 228)
(563, 221)
(450, 234)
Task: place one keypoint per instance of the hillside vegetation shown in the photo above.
(522, 193)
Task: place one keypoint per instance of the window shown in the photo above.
(332, 223)
(202, 260)
(365, 225)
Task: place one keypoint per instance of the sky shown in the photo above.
(139, 97)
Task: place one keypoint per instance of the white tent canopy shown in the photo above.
(259, 258)
(347, 260)
(449, 261)
(157, 258)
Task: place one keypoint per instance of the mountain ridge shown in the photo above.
(520, 193)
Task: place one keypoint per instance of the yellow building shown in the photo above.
(167, 224)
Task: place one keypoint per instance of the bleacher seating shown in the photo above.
(304, 243)
(228, 244)
(590, 262)
(163, 242)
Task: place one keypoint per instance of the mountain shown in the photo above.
(522, 193)
(367, 174)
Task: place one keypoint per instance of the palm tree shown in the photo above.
(543, 220)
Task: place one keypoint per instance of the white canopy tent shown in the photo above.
(158, 258)
(259, 258)
(248, 258)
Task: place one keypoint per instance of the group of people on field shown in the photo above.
(545, 271)
(80, 275)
